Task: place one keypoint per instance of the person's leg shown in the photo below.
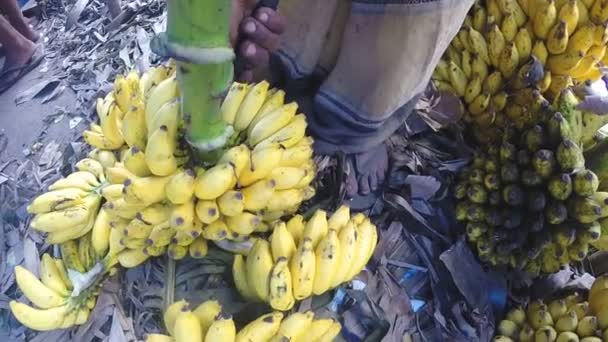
(388, 53)
(18, 49)
(16, 18)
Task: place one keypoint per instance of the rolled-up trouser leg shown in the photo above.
(388, 53)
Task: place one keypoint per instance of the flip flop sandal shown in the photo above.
(20, 71)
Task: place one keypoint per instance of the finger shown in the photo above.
(253, 55)
(274, 21)
(259, 34)
(246, 76)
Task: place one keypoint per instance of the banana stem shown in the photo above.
(198, 38)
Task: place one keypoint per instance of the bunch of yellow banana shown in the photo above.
(486, 61)
(566, 319)
(122, 116)
(305, 258)
(209, 323)
(58, 304)
(68, 210)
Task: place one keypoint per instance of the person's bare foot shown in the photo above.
(368, 171)
(18, 57)
(27, 31)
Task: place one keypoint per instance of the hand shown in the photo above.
(256, 33)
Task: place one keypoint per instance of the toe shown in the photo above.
(364, 185)
(352, 187)
(373, 182)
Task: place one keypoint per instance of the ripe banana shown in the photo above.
(206, 313)
(282, 243)
(135, 162)
(182, 216)
(253, 101)
(231, 203)
(222, 329)
(130, 258)
(56, 200)
(233, 101)
(302, 269)
(165, 91)
(326, 261)
(262, 329)
(37, 319)
(294, 327)
(289, 135)
(214, 182)
(263, 161)
(187, 327)
(557, 38)
(275, 99)
(285, 200)
(239, 274)
(199, 248)
(145, 190)
(159, 154)
(259, 265)
(238, 157)
(280, 289)
(217, 230)
(272, 123)
(207, 211)
(39, 294)
(478, 44)
(51, 276)
(134, 129)
(170, 315)
(257, 195)
(509, 27)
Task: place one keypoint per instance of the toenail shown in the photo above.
(263, 17)
(250, 27)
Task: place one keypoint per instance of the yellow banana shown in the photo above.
(584, 67)
(198, 248)
(275, 99)
(282, 243)
(259, 265)
(280, 289)
(295, 227)
(231, 203)
(169, 116)
(272, 123)
(539, 50)
(262, 329)
(287, 177)
(509, 27)
(161, 235)
(480, 104)
(41, 320)
(289, 135)
(366, 242)
(523, 43)
(458, 78)
(165, 91)
(257, 195)
(215, 231)
(222, 329)
(237, 156)
(463, 37)
(250, 106)
(600, 35)
(294, 327)
(159, 154)
(214, 182)
(233, 101)
(206, 313)
(75, 232)
(302, 269)
(39, 294)
(154, 214)
(145, 190)
(557, 38)
(51, 276)
(100, 141)
(137, 229)
(348, 250)
(466, 64)
(339, 218)
(130, 258)
(134, 129)
(562, 64)
(207, 211)
(106, 158)
(331, 333)
(570, 14)
(511, 6)
(177, 252)
(111, 125)
(170, 315)
(582, 39)
(479, 67)
(187, 328)
(545, 83)
(587, 326)
(154, 251)
(59, 220)
(298, 154)
(496, 43)
(263, 161)
(239, 275)
(57, 200)
(180, 187)
(478, 44)
(473, 89)
(182, 216)
(326, 261)
(72, 183)
(599, 11)
(63, 273)
(508, 60)
(493, 83)
(282, 200)
(544, 19)
(244, 223)
(118, 174)
(441, 70)
(159, 338)
(479, 18)
(135, 162)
